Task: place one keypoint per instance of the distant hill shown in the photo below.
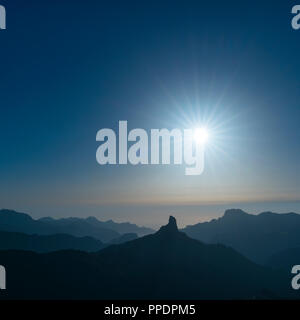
(165, 265)
(122, 227)
(12, 221)
(285, 259)
(124, 238)
(258, 237)
(47, 243)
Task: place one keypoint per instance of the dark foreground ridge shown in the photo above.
(258, 237)
(171, 227)
(165, 265)
(12, 221)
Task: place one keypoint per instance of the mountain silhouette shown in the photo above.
(47, 243)
(164, 265)
(12, 221)
(285, 259)
(258, 237)
(124, 238)
(121, 228)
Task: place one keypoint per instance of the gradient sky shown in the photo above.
(70, 68)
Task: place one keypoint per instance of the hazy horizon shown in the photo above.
(160, 214)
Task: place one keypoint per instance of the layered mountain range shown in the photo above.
(258, 237)
(164, 265)
(238, 256)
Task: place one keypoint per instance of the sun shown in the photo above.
(201, 135)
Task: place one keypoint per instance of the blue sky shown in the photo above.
(70, 68)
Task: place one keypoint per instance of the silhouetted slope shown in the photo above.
(47, 243)
(165, 265)
(105, 231)
(124, 238)
(285, 259)
(256, 236)
(20, 222)
(121, 227)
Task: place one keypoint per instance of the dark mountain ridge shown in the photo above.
(47, 243)
(285, 259)
(124, 238)
(164, 265)
(122, 227)
(12, 221)
(256, 236)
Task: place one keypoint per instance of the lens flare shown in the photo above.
(201, 135)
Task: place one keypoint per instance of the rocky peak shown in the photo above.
(171, 227)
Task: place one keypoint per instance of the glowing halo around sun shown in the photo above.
(201, 135)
